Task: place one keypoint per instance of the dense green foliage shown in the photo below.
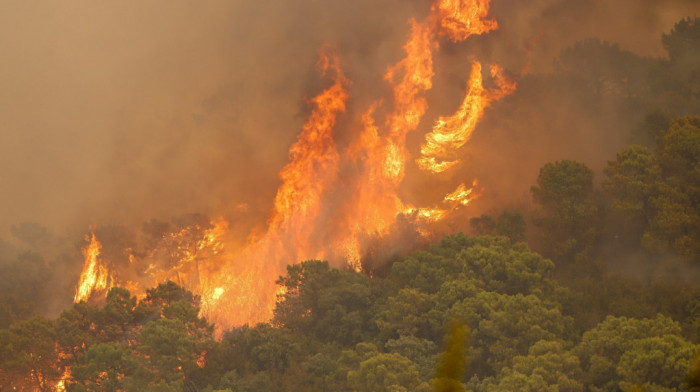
(570, 215)
(152, 344)
(659, 191)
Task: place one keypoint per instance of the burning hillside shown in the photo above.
(334, 201)
(175, 172)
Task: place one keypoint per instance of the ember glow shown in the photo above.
(61, 385)
(335, 199)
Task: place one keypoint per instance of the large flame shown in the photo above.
(460, 19)
(312, 170)
(95, 275)
(246, 292)
(334, 201)
(451, 133)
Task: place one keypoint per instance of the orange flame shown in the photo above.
(417, 76)
(313, 166)
(331, 203)
(186, 257)
(451, 133)
(244, 294)
(462, 195)
(460, 19)
(95, 276)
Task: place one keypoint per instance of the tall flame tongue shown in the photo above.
(312, 172)
(313, 168)
(378, 159)
(95, 275)
(332, 203)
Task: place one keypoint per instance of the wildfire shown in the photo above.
(460, 19)
(451, 133)
(333, 201)
(462, 195)
(306, 181)
(188, 256)
(95, 276)
(313, 167)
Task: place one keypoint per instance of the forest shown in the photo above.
(594, 286)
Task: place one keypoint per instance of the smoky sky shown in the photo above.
(119, 112)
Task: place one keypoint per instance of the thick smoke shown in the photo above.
(113, 112)
(120, 112)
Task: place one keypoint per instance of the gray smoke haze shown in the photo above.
(119, 112)
(546, 26)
